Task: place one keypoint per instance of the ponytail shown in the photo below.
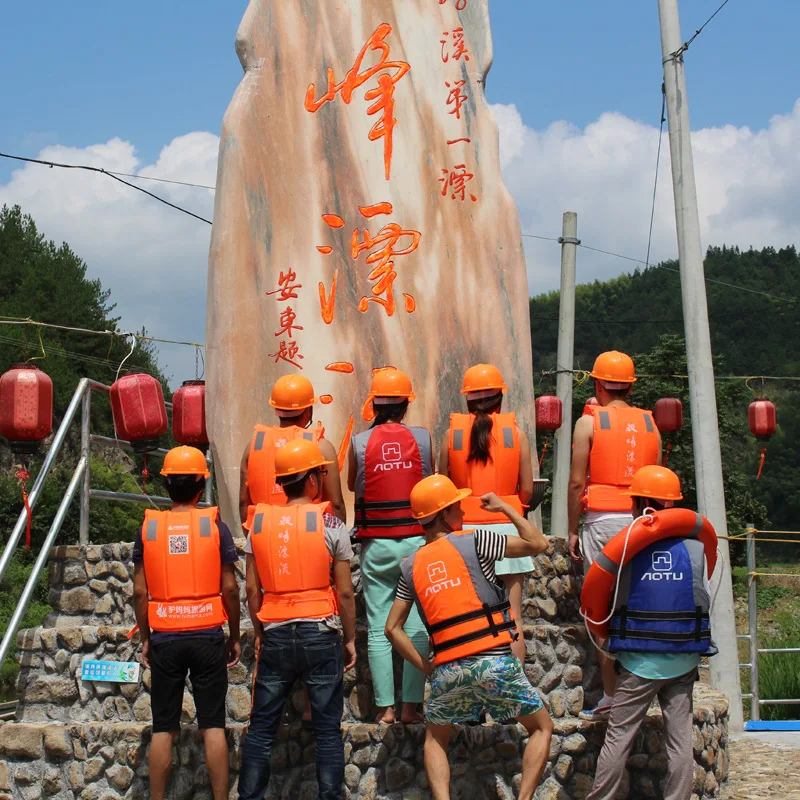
(394, 412)
(480, 437)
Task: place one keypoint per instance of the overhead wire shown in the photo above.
(685, 46)
(658, 161)
(113, 175)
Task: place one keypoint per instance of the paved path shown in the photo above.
(764, 766)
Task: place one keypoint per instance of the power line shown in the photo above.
(114, 176)
(658, 161)
(162, 180)
(685, 46)
(4, 320)
(545, 238)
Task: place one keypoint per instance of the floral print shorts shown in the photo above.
(461, 689)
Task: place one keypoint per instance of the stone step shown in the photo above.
(50, 688)
(107, 760)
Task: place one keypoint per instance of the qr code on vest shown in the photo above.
(179, 544)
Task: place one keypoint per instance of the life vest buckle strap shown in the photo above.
(474, 636)
(666, 636)
(384, 505)
(389, 522)
(675, 616)
(469, 616)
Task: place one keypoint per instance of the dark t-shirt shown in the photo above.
(228, 555)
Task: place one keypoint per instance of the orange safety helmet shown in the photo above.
(483, 378)
(434, 493)
(389, 385)
(296, 456)
(612, 368)
(657, 483)
(292, 393)
(185, 460)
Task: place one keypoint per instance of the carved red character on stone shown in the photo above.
(288, 352)
(287, 288)
(455, 40)
(456, 97)
(460, 4)
(388, 74)
(455, 181)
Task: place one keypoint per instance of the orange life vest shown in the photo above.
(261, 461)
(293, 562)
(500, 474)
(625, 439)
(183, 569)
(446, 575)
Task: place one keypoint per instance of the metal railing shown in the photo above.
(756, 701)
(81, 479)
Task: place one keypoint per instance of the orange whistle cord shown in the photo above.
(341, 366)
(345, 443)
(134, 629)
(761, 462)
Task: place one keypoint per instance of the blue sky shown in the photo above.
(82, 72)
(576, 88)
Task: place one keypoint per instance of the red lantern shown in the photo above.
(548, 412)
(763, 421)
(140, 416)
(189, 414)
(592, 401)
(668, 414)
(26, 407)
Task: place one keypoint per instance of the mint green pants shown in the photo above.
(380, 572)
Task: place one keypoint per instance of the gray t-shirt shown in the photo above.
(337, 539)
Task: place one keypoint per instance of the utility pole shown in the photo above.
(564, 361)
(702, 397)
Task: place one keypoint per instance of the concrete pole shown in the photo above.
(564, 361)
(703, 401)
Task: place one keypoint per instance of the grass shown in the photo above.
(17, 575)
(778, 626)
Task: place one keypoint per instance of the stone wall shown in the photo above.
(107, 761)
(89, 740)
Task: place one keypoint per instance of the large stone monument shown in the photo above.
(361, 219)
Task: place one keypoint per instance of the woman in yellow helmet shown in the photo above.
(485, 451)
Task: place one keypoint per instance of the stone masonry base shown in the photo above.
(108, 760)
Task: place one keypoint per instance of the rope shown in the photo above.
(753, 575)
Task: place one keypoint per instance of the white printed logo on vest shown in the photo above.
(661, 563)
(437, 575)
(392, 454)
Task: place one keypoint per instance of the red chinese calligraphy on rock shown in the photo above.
(287, 288)
(456, 97)
(380, 258)
(388, 73)
(460, 4)
(453, 45)
(288, 352)
(455, 181)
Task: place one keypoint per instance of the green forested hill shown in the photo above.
(751, 334)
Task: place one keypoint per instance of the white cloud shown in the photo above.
(748, 188)
(153, 258)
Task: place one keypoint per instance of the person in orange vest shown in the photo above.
(451, 580)
(611, 442)
(385, 462)
(293, 400)
(184, 589)
(301, 602)
(485, 451)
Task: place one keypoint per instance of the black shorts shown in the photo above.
(205, 662)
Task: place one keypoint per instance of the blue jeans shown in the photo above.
(311, 652)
